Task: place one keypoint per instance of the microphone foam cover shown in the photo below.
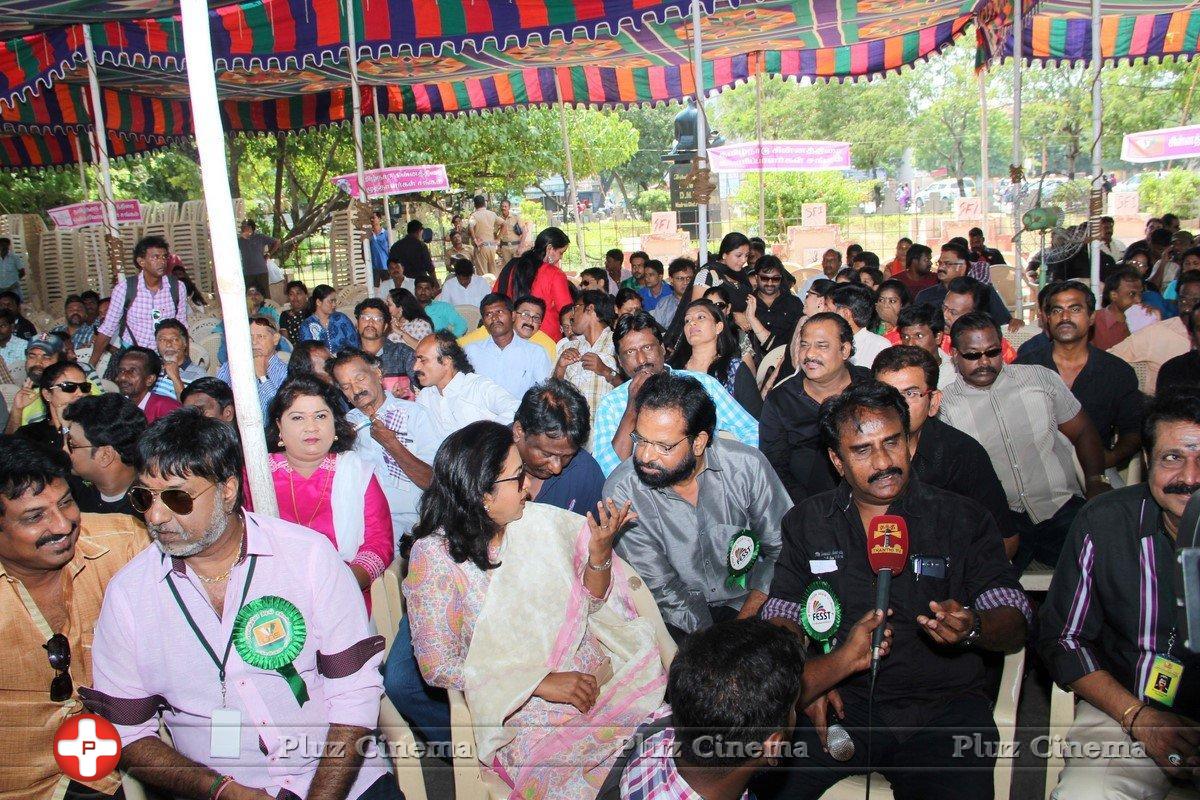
(887, 543)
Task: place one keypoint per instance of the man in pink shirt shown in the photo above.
(245, 633)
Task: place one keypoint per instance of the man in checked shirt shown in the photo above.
(1108, 625)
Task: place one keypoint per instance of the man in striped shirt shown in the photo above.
(1108, 625)
(1029, 422)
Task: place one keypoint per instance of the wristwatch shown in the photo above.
(976, 629)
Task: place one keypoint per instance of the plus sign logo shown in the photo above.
(87, 747)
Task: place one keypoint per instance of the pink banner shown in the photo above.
(78, 215)
(397, 180)
(781, 156)
(1162, 144)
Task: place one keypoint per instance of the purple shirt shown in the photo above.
(146, 659)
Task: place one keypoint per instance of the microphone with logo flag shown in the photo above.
(887, 550)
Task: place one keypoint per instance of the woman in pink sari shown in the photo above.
(524, 608)
(321, 483)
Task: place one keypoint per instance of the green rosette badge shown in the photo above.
(822, 614)
(269, 633)
(742, 555)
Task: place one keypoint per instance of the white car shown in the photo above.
(946, 188)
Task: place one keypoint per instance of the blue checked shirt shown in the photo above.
(82, 337)
(276, 374)
(731, 417)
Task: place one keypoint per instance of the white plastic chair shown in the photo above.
(387, 607)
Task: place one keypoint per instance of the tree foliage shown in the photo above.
(787, 192)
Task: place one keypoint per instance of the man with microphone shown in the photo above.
(952, 595)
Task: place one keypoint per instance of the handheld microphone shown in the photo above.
(887, 550)
(841, 746)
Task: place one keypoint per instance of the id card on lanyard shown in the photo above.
(1165, 674)
(225, 727)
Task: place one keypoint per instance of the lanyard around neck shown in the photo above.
(196, 629)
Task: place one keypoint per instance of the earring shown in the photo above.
(487, 507)
(280, 443)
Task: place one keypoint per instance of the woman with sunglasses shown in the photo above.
(321, 484)
(709, 345)
(61, 385)
(523, 607)
(727, 300)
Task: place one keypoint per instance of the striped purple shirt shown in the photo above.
(1110, 605)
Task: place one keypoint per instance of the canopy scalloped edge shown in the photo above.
(66, 52)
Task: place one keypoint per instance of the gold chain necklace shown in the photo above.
(224, 576)
(320, 497)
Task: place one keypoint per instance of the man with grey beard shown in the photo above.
(199, 629)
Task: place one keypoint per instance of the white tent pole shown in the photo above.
(758, 132)
(356, 99)
(1097, 125)
(984, 173)
(101, 134)
(1018, 56)
(701, 128)
(227, 258)
(387, 212)
(572, 192)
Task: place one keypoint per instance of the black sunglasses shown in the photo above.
(177, 500)
(995, 351)
(71, 387)
(58, 650)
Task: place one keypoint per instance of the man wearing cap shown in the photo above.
(245, 634)
(41, 351)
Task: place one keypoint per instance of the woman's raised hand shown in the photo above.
(605, 524)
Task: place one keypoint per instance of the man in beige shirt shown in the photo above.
(55, 564)
(456, 250)
(1156, 344)
(482, 224)
(509, 230)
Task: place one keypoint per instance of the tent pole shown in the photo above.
(1097, 126)
(758, 132)
(83, 185)
(572, 192)
(387, 211)
(227, 258)
(701, 131)
(101, 137)
(1018, 55)
(984, 176)
(355, 99)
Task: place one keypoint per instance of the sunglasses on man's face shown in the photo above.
(993, 353)
(177, 500)
(71, 387)
(58, 650)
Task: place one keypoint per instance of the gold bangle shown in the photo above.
(1125, 713)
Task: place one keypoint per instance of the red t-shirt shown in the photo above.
(551, 286)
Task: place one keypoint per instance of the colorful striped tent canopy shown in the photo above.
(282, 64)
(1060, 31)
(643, 63)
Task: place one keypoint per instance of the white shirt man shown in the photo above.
(456, 293)
(413, 427)
(469, 397)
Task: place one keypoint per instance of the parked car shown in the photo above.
(946, 188)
